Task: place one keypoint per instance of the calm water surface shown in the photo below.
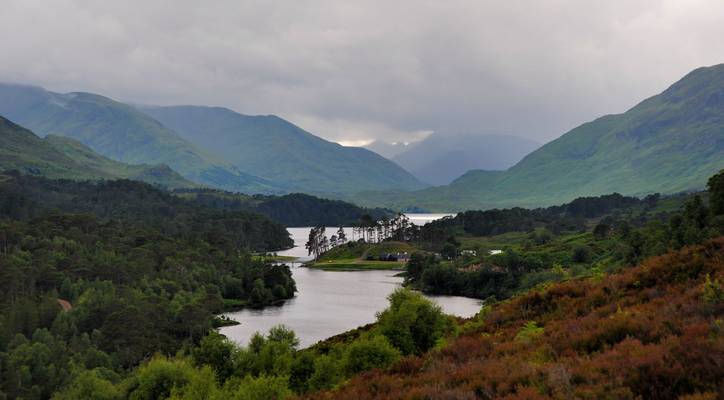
(328, 303)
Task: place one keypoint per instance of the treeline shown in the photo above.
(291, 210)
(570, 216)
(95, 278)
(23, 197)
(547, 256)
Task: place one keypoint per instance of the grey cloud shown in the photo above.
(356, 71)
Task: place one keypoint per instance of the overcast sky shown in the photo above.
(357, 71)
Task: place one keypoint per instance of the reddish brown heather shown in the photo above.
(645, 333)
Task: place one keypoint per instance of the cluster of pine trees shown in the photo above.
(366, 230)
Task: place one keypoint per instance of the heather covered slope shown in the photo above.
(122, 133)
(275, 149)
(668, 143)
(654, 331)
(57, 157)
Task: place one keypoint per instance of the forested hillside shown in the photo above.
(101, 276)
(135, 203)
(294, 209)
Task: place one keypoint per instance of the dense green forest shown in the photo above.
(294, 209)
(136, 203)
(101, 276)
(109, 291)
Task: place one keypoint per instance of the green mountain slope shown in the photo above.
(122, 133)
(158, 174)
(58, 157)
(668, 143)
(275, 149)
(20, 149)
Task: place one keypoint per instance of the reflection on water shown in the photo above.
(301, 235)
(329, 303)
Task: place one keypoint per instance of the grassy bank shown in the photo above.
(357, 265)
(273, 258)
(355, 256)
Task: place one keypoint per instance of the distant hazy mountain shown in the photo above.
(122, 133)
(440, 158)
(275, 149)
(58, 157)
(388, 150)
(668, 143)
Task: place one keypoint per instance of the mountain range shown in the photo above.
(668, 143)
(277, 150)
(212, 146)
(122, 133)
(440, 158)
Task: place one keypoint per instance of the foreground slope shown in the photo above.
(440, 158)
(275, 149)
(122, 133)
(668, 143)
(57, 157)
(654, 331)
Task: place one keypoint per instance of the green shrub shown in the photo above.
(412, 323)
(159, 377)
(327, 373)
(369, 353)
(249, 388)
(529, 332)
(713, 291)
(90, 385)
